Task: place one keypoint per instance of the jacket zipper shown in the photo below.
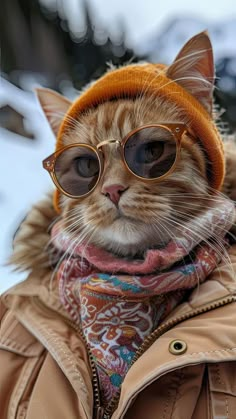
(98, 409)
(105, 413)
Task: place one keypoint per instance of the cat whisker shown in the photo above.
(66, 230)
(173, 238)
(175, 241)
(69, 251)
(81, 239)
(196, 234)
(200, 228)
(52, 112)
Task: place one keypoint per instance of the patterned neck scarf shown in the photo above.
(118, 303)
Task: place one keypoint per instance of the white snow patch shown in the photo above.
(23, 180)
(166, 43)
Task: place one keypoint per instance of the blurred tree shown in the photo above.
(29, 42)
(225, 93)
(36, 39)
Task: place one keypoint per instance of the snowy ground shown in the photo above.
(22, 178)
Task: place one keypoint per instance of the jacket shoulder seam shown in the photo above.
(213, 351)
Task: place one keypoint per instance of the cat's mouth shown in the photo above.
(123, 217)
(129, 237)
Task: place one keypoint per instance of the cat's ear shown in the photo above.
(54, 106)
(193, 69)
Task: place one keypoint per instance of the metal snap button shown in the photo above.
(177, 347)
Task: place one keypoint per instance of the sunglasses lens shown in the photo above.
(151, 152)
(77, 170)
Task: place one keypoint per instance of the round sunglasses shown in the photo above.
(149, 152)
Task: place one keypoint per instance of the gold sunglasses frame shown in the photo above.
(176, 129)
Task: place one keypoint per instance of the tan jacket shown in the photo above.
(188, 370)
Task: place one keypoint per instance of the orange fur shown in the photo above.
(146, 211)
(148, 214)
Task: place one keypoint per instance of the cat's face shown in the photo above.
(125, 214)
(144, 214)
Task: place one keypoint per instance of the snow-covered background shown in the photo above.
(23, 181)
(22, 178)
(142, 19)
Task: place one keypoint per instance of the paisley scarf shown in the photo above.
(119, 302)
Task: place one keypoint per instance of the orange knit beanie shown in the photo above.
(132, 80)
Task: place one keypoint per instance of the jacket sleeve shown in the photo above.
(3, 310)
(20, 356)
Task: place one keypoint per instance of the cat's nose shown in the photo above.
(113, 192)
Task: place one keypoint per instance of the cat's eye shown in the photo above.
(149, 152)
(77, 170)
(87, 166)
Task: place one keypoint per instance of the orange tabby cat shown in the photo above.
(128, 308)
(144, 214)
